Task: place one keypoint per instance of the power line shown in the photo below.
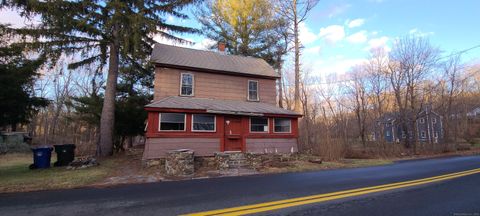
(453, 54)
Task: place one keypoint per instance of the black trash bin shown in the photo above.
(65, 154)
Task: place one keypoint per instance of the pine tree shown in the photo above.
(102, 33)
(17, 73)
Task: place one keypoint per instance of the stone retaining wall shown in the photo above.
(180, 162)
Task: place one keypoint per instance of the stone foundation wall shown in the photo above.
(180, 162)
(230, 160)
(257, 160)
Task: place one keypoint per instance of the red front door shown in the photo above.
(233, 134)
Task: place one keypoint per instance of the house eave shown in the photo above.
(222, 112)
(205, 70)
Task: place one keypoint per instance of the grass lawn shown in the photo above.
(15, 175)
(123, 168)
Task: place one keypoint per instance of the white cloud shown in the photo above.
(12, 16)
(418, 33)
(359, 37)
(335, 66)
(200, 44)
(355, 23)
(204, 44)
(413, 31)
(313, 50)
(333, 33)
(306, 35)
(379, 43)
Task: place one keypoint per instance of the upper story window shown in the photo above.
(422, 120)
(434, 120)
(253, 90)
(172, 122)
(282, 125)
(203, 122)
(258, 124)
(186, 84)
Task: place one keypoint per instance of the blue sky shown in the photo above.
(339, 33)
(342, 32)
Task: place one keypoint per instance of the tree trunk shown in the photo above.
(107, 120)
(296, 33)
(280, 88)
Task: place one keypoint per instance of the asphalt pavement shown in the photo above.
(459, 196)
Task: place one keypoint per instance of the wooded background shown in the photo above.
(339, 111)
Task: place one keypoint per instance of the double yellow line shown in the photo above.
(275, 205)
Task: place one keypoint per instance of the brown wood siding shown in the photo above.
(157, 147)
(279, 145)
(211, 85)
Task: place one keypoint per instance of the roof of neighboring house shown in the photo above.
(388, 117)
(186, 58)
(220, 106)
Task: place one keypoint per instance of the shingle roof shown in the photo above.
(220, 106)
(199, 59)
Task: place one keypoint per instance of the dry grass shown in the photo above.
(302, 165)
(15, 176)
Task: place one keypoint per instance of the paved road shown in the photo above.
(460, 196)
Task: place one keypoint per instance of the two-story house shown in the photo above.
(210, 102)
(429, 127)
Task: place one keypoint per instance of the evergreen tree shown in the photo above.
(130, 115)
(103, 33)
(17, 73)
(247, 27)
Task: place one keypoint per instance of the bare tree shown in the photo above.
(376, 69)
(296, 11)
(411, 61)
(358, 89)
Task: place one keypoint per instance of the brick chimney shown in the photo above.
(221, 47)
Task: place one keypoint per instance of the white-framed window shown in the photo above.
(253, 90)
(259, 124)
(171, 121)
(387, 133)
(434, 120)
(423, 134)
(422, 120)
(203, 123)
(186, 84)
(282, 125)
